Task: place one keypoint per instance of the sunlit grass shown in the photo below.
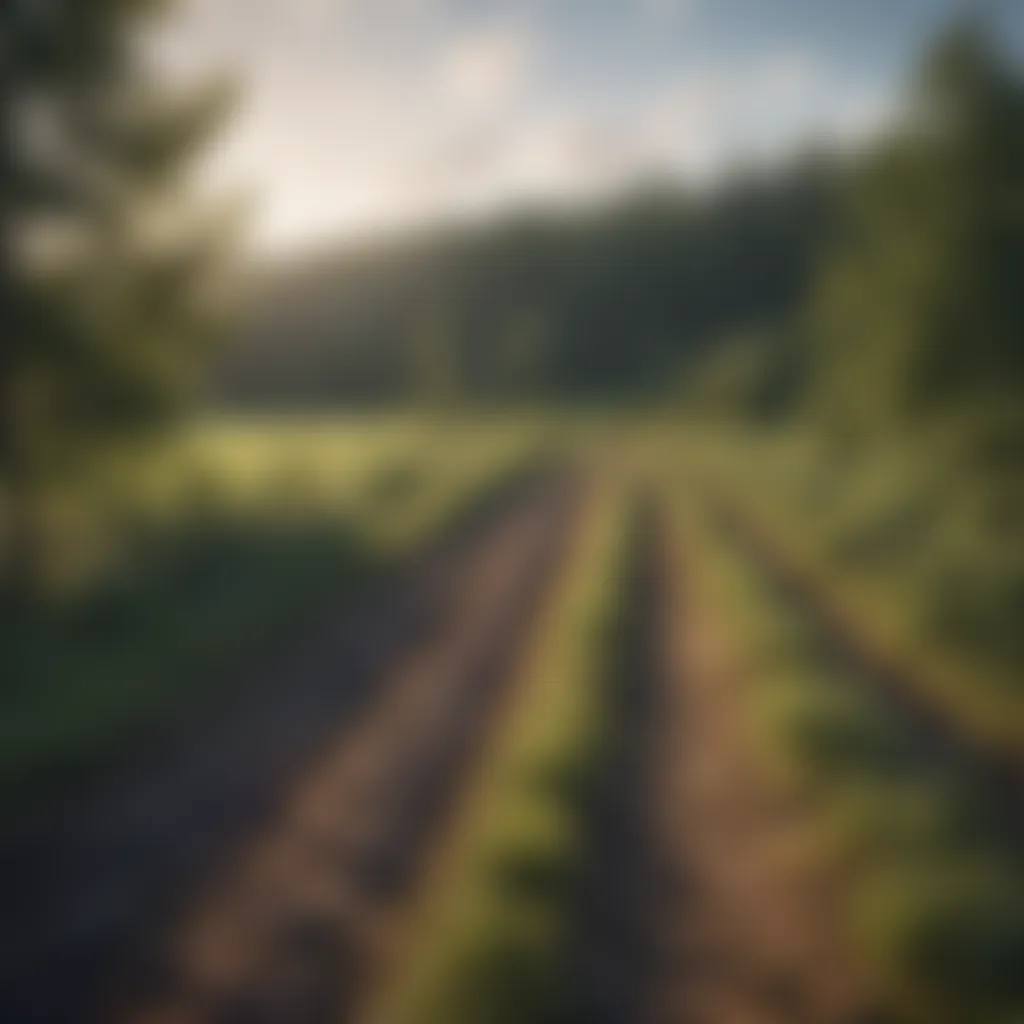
(208, 552)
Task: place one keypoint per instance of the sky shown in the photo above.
(357, 116)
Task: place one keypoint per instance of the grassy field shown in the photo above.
(924, 558)
(176, 569)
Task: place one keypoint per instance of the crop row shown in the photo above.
(494, 939)
(908, 555)
(929, 856)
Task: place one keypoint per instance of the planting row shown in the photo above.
(494, 940)
(924, 556)
(926, 852)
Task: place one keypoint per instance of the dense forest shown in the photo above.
(604, 302)
(870, 269)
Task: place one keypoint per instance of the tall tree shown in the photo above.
(921, 314)
(106, 291)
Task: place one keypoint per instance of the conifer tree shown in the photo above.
(921, 313)
(107, 301)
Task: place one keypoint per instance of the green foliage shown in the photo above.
(436, 371)
(931, 889)
(611, 302)
(950, 938)
(910, 482)
(190, 565)
(754, 375)
(920, 313)
(108, 284)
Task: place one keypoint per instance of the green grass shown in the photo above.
(911, 549)
(177, 569)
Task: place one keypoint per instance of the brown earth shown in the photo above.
(293, 927)
(749, 932)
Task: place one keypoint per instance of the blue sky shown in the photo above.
(361, 115)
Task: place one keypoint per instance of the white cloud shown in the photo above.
(374, 112)
(486, 67)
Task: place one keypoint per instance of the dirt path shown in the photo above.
(293, 926)
(749, 934)
(702, 907)
(312, 802)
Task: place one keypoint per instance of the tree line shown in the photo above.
(547, 305)
(108, 265)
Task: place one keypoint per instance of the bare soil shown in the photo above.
(749, 932)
